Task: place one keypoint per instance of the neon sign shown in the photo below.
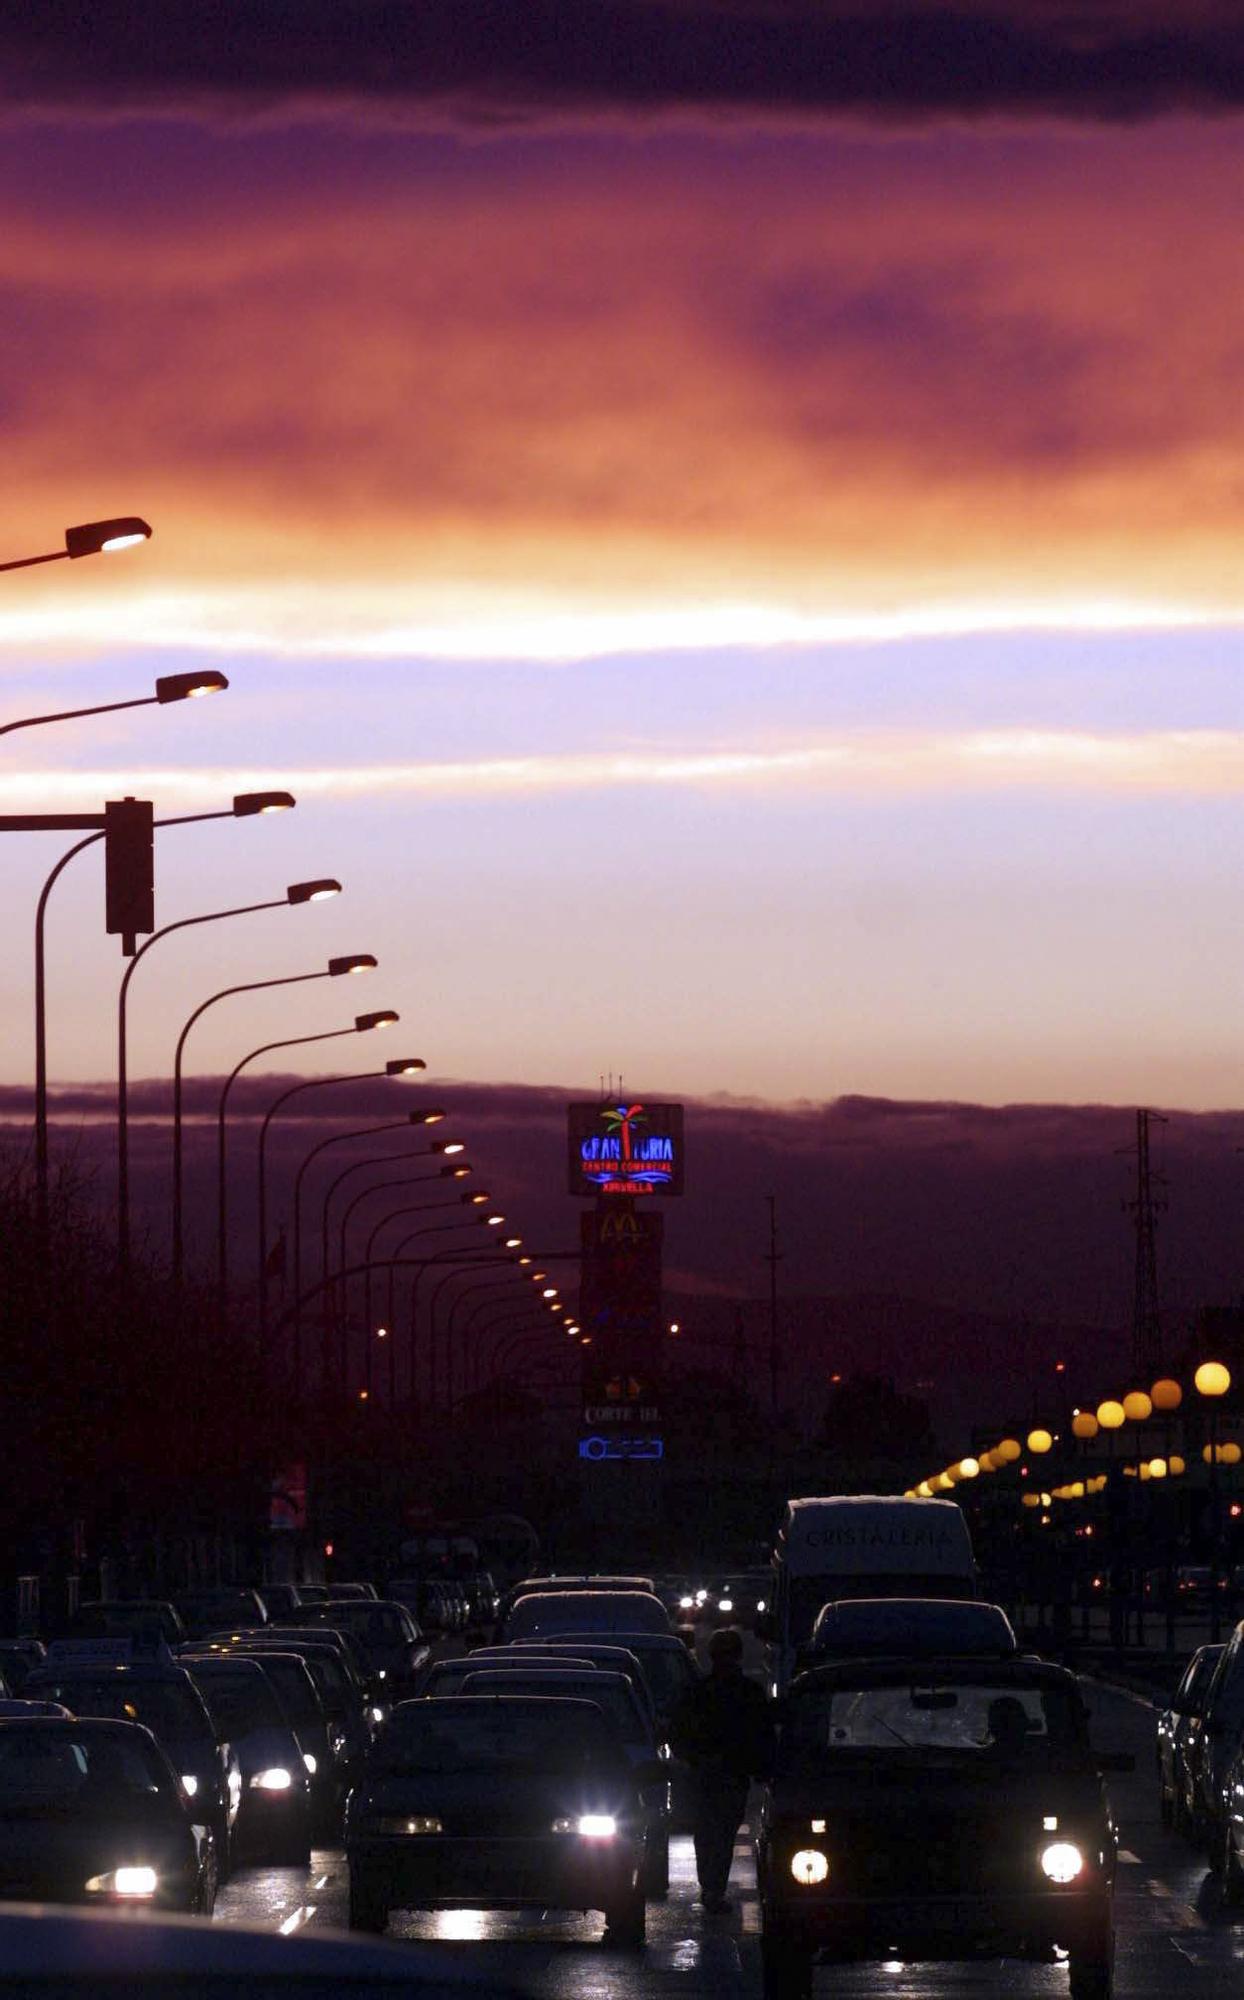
(631, 1149)
(597, 1448)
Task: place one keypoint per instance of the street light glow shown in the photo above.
(405, 1066)
(359, 961)
(385, 1018)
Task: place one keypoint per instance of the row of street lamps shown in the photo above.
(127, 532)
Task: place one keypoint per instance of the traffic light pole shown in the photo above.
(47, 823)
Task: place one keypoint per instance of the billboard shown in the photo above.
(628, 1149)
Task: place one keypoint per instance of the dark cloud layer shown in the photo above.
(490, 59)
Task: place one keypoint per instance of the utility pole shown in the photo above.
(1145, 1207)
(773, 1259)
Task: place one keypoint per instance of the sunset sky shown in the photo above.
(731, 525)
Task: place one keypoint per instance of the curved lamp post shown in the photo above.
(431, 1117)
(400, 1066)
(337, 968)
(298, 892)
(246, 805)
(440, 1148)
(169, 687)
(92, 538)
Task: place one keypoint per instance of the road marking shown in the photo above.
(302, 1915)
(322, 1883)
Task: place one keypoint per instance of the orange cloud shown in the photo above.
(676, 391)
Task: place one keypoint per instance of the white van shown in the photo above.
(860, 1545)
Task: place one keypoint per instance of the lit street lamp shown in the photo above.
(298, 892)
(92, 538)
(170, 687)
(337, 968)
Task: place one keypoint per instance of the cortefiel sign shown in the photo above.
(631, 1149)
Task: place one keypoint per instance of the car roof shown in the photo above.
(105, 1670)
(511, 1704)
(624, 1642)
(94, 1725)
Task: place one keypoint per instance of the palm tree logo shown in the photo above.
(619, 1124)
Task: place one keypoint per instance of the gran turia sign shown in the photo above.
(626, 1149)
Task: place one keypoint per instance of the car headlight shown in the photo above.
(725, 1604)
(277, 1779)
(760, 1604)
(382, 1674)
(377, 1714)
(1062, 1861)
(404, 1823)
(189, 1784)
(809, 1866)
(309, 1759)
(124, 1882)
(685, 1603)
(589, 1826)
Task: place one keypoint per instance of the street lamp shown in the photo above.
(401, 1066)
(337, 968)
(246, 805)
(169, 687)
(91, 538)
(432, 1116)
(298, 892)
(1212, 1381)
(438, 1149)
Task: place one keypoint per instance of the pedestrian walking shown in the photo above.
(723, 1730)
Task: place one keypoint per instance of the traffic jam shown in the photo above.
(841, 1772)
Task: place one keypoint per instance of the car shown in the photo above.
(387, 1636)
(1178, 1726)
(1211, 1742)
(15, 1705)
(498, 1802)
(667, 1667)
(549, 1613)
(908, 1627)
(352, 1590)
(296, 1691)
(202, 1611)
(530, 1586)
(274, 1817)
(149, 1619)
(347, 1702)
(936, 1809)
(441, 1677)
(613, 1657)
(92, 1812)
(313, 1593)
(165, 1700)
(314, 1629)
(616, 1698)
(278, 1597)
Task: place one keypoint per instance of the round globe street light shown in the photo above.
(245, 806)
(337, 968)
(91, 538)
(298, 892)
(1212, 1381)
(401, 1066)
(168, 688)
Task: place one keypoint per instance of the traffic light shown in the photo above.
(129, 870)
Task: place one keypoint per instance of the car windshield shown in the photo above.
(1006, 1721)
(167, 1708)
(288, 1677)
(94, 1773)
(237, 1702)
(500, 1738)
